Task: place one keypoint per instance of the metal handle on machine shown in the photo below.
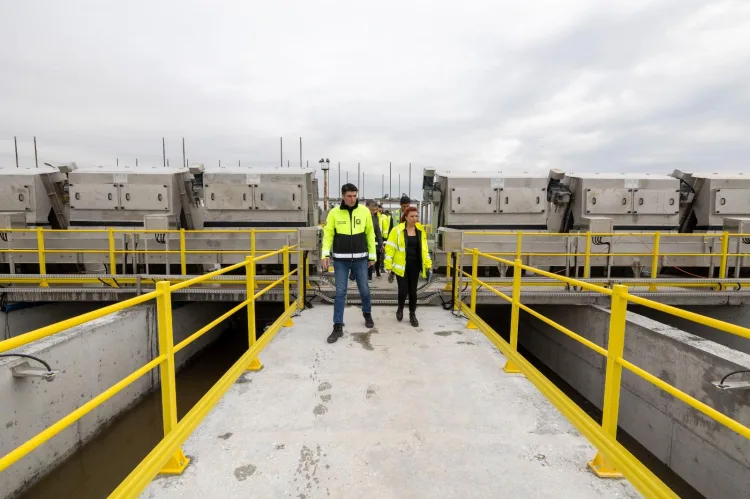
(261, 196)
(489, 200)
(459, 199)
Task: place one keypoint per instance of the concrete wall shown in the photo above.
(27, 319)
(91, 357)
(711, 458)
(739, 315)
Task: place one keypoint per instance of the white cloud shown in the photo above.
(585, 85)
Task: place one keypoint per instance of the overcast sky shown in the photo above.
(582, 85)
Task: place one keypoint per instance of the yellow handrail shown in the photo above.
(610, 460)
(171, 461)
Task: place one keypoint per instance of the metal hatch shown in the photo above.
(228, 197)
(15, 197)
(283, 197)
(656, 201)
(522, 200)
(144, 197)
(609, 201)
(473, 200)
(94, 197)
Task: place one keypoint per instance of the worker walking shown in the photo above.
(372, 205)
(398, 215)
(349, 238)
(407, 256)
(385, 227)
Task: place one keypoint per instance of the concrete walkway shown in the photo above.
(397, 412)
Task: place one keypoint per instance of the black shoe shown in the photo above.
(351, 277)
(368, 321)
(399, 314)
(413, 320)
(338, 332)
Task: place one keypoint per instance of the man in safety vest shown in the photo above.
(405, 202)
(349, 239)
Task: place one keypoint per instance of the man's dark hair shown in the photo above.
(405, 200)
(348, 188)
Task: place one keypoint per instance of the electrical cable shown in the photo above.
(732, 373)
(23, 355)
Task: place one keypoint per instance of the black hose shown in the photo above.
(304, 278)
(730, 374)
(27, 357)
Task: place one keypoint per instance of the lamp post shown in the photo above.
(325, 164)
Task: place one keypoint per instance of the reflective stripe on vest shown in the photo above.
(350, 255)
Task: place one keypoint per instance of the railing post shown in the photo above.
(519, 244)
(183, 257)
(255, 364)
(112, 256)
(285, 254)
(178, 462)
(587, 257)
(448, 280)
(724, 252)
(457, 281)
(611, 407)
(301, 271)
(42, 255)
(474, 273)
(510, 366)
(252, 243)
(655, 261)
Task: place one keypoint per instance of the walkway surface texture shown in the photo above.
(396, 412)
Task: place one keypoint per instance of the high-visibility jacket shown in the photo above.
(385, 224)
(349, 234)
(395, 250)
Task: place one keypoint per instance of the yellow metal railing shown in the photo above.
(167, 456)
(113, 252)
(612, 459)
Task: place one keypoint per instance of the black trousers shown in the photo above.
(378, 264)
(407, 285)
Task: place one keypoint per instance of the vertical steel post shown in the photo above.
(515, 310)
(474, 273)
(390, 180)
(255, 364)
(112, 255)
(519, 244)
(409, 180)
(286, 255)
(184, 158)
(36, 157)
(183, 258)
(724, 253)
(177, 462)
(41, 255)
(655, 261)
(615, 348)
(252, 243)
(587, 257)
(15, 147)
(164, 152)
(301, 271)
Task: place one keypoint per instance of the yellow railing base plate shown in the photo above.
(176, 464)
(288, 323)
(471, 325)
(511, 368)
(255, 365)
(602, 468)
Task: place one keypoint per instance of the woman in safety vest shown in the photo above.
(407, 256)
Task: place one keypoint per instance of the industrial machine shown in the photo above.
(30, 198)
(576, 212)
(267, 206)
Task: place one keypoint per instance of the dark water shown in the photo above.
(99, 466)
(499, 319)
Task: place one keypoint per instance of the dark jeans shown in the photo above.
(407, 285)
(341, 270)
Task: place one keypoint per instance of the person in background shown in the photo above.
(398, 215)
(385, 227)
(407, 256)
(373, 207)
(349, 238)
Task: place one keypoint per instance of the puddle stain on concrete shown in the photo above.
(243, 472)
(320, 409)
(226, 436)
(447, 333)
(324, 386)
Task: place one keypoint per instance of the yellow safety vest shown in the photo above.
(395, 250)
(349, 234)
(385, 224)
